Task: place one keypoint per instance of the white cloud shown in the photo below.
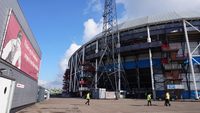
(57, 83)
(42, 82)
(141, 8)
(91, 28)
(64, 62)
(93, 6)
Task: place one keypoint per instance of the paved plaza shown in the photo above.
(73, 105)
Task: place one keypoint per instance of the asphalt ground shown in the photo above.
(77, 105)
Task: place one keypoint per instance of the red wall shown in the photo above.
(30, 61)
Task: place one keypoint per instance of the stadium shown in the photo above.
(157, 54)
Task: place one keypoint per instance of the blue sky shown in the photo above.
(55, 26)
(61, 26)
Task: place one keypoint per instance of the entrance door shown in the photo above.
(5, 92)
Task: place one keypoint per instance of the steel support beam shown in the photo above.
(83, 59)
(75, 72)
(119, 72)
(119, 63)
(70, 79)
(96, 66)
(190, 59)
(151, 64)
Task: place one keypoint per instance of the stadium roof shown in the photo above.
(155, 19)
(167, 17)
(151, 20)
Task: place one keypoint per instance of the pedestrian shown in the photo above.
(167, 99)
(88, 98)
(149, 99)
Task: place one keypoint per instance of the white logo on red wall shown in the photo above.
(20, 85)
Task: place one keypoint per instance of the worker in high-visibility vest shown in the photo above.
(88, 98)
(149, 100)
(167, 99)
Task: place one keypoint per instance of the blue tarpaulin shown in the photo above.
(141, 64)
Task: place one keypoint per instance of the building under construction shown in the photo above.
(158, 53)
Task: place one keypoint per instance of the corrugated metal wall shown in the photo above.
(28, 94)
(41, 93)
(22, 96)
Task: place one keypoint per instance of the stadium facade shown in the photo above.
(172, 39)
(20, 57)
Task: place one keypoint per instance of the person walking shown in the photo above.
(167, 99)
(149, 100)
(88, 99)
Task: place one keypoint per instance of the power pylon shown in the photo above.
(110, 61)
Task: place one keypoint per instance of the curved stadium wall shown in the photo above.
(169, 55)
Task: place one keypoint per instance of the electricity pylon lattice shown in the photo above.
(110, 61)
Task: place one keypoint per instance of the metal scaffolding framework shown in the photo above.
(109, 57)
